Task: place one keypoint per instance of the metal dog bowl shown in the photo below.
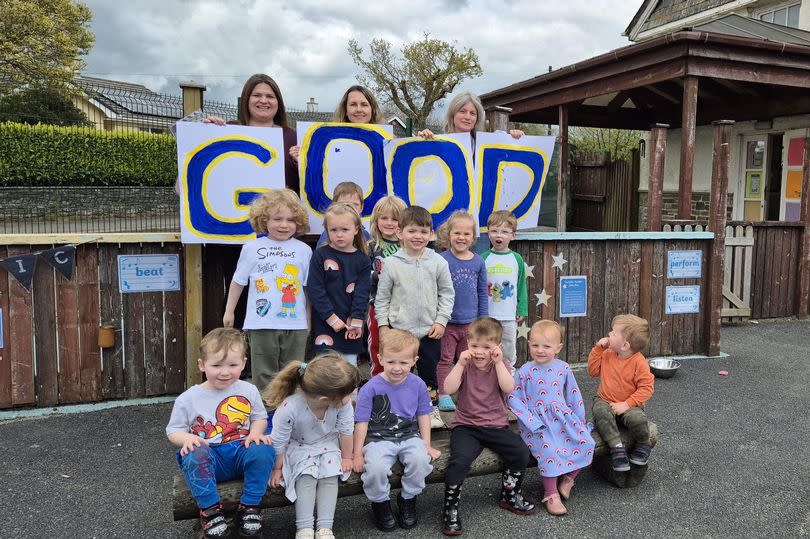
(664, 368)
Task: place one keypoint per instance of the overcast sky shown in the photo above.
(303, 44)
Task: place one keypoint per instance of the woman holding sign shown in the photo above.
(261, 105)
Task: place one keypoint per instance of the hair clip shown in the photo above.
(303, 367)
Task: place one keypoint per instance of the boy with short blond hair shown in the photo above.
(219, 426)
(416, 293)
(506, 280)
(482, 377)
(346, 193)
(393, 423)
(625, 385)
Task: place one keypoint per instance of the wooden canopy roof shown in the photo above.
(633, 87)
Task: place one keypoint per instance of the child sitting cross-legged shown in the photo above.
(393, 423)
(219, 426)
(482, 377)
(312, 435)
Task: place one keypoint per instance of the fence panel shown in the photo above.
(775, 271)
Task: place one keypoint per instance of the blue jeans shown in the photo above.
(207, 465)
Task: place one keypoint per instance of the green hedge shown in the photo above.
(45, 155)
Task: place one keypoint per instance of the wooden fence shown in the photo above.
(51, 354)
(775, 272)
(616, 285)
(604, 195)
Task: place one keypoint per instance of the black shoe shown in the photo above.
(619, 459)
(249, 521)
(512, 494)
(451, 520)
(640, 454)
(213, 523)
(407, 512)
(383, 516)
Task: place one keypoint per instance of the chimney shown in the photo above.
(312, 105)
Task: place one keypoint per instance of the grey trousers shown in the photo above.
(271, 349)
(315, 496)
(509, 342)
(381, 456)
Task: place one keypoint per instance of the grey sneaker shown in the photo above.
(640, 454)
(618, 456)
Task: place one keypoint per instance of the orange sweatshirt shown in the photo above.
(626, 380)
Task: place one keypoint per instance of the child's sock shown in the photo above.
(549, 486)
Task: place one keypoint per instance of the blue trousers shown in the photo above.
(207, 465)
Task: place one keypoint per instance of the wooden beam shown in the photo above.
(763, 74)
(688, 120)
(655, 181)
(717, 224)
(562, 168)
(804, 250)
(498, 118)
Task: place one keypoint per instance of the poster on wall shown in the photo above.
(684, 264)
(148, 273)
(753, 184)
(682, 299)
(573, 296)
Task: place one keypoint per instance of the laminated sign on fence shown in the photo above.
(222, 169)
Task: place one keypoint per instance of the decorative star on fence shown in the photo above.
(559, 261)
(542, 298)
(523, 330)
(529, 270)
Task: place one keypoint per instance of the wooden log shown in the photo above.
(184, 507)
(688, 120)
(562, 170)
(655, 182)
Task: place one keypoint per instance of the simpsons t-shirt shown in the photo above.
(275, 273)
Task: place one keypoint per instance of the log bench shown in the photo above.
(184, 507)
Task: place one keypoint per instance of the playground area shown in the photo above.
(731, 461)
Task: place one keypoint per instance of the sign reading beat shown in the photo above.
(222, 169)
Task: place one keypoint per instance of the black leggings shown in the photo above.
(430, 351)
(467, 442)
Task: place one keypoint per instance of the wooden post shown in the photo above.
(804, 251)
(688, 120)
(562, 171)
(498, 118)
(655, 182)
(717, 224)
(192, 256)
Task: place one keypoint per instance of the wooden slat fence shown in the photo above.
(616, 284)
(737, 273)
(51, 354)
(604, 194)
(775, 272)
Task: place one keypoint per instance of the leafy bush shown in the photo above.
(44, 155)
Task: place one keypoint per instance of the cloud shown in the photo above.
(303, 45)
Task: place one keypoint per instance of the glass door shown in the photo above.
(753, 177)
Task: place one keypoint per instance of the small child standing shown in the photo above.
(625, 385)
(393, 423)
(219, 426)
(275, 265)
(469, 274)
(312, 435)
(506, 280)
(338, 285)
(347, 193)
(482, 378)
(384, 243)
(415, 292)
(551, 415)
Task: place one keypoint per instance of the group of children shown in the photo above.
(453, 316)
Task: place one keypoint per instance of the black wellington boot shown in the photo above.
(512, 494)
(407, 512)
(451, 520)
(383, 516)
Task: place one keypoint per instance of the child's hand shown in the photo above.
(436, 331)
(359, 463)
(191, 444)
(619, 407)
(336, 324)
(604, 342)
(256, 438)
(346, 464)
(464, 358)
(519, 319)
(294, 150)
(227, 320)
(433, 452)
(496, 354)
(275, 478)
(354, 333)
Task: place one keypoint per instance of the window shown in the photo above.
(785, 15)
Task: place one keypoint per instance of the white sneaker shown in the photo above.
(324, 533)
(436, 421)
(305, 533)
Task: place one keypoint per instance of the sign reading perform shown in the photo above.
(573, 296)
(148, 273)
(683, 299)
(684, 264)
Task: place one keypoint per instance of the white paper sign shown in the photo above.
(682, 299)
(684, 264)
(148, 273)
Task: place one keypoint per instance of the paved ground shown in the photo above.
(732, 461)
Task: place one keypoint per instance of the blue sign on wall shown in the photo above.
(573, 296)
(683, 299)
(148, 273)
(684, 264)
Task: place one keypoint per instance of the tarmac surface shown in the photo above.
(732, 461)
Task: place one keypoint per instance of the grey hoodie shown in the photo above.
(414, 294)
